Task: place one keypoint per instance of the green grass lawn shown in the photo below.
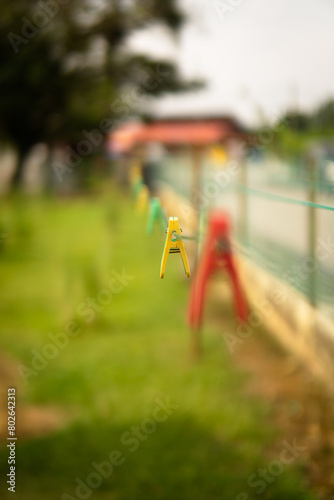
(130, 357)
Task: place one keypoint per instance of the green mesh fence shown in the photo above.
(282, 214)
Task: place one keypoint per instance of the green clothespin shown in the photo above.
(156, 214)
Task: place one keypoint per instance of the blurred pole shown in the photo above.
(243, 203)
(196, 180)
(312, 228)
(197, 154)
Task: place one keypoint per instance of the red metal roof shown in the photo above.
(183, 133)
(200, 132)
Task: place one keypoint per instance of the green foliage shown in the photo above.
(295, 132)
(323, 118)
(299, 122)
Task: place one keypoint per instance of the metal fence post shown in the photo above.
(312, 226)
(243, 203)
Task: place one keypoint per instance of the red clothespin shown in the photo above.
(216, 254)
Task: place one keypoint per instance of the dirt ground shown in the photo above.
(301, 407)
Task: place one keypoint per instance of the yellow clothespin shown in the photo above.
(174, 244)
(142, 198)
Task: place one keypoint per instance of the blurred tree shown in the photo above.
(63, 64)
(296, 121)
(323, 118)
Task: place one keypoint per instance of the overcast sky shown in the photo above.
(259, 57)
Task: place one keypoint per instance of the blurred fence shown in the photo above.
(281, 211)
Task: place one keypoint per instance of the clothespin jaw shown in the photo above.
(174, 244)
